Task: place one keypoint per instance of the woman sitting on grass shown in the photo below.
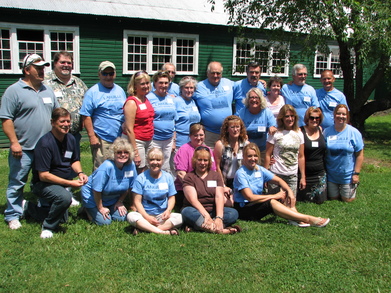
(154, 199)
(204, 198)
(253, 205)
(108, 186)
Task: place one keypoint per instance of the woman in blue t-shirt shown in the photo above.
(108, 186)
(252, 204)
(344, 156)
(154, 199)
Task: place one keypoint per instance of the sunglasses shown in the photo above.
(140, 72)
(107, 73)
(314, 118)
(202, 148)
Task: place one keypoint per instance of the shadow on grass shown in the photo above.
(378, 132)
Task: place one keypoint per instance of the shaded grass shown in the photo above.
(352, 254)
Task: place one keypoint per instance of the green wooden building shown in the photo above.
(139, 35)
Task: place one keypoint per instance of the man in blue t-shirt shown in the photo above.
(214, 97)
(329, 97)
(241, 87)
(299, 94)
(102, 112)
(26, 107)
(56, 156)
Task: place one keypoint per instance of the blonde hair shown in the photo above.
(121, 144)
(259, 93)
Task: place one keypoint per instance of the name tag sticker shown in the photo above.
(315, 144)
(128, 174)
(261, 128)
(170, 101)
(332, 137)
(142, 107)
(239, 156)
(68, 154)
(333, 104)
(163, 186)
(211, 183)
(307, 99)
(58, 94)
(47, 100)
(195, 109)
(257, 174)
(226, 88)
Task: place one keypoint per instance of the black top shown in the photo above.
(314, 152)
(54, 156)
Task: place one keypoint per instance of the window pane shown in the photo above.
(5, 49)
(137, 50)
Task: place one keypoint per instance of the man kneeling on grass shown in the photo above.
(56, 155)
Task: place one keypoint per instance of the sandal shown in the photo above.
(234, 229)
(135, 232)
(238, 228)
(174, 232)
(212, 230)
(322, 223)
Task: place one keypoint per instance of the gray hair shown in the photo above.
(165, 64)
(208, 69)
(120, 144)
(298, 67)
(259, 93)
(187, 79)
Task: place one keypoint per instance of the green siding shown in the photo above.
(101, 39)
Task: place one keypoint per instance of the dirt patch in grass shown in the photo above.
(377, 162)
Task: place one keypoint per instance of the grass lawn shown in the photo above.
(352, 254)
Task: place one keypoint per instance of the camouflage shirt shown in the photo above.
(70, 96)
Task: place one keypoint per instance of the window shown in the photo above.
(328, 61)
(150, 50)
(18, 40)
(273, 57)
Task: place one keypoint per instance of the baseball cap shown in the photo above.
(106, 64)
(34, 59)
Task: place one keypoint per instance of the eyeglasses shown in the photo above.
(289, 116)
(314, 118)
(301, 74)
(122, 153)
(107, 73)
(215, 73)
(169, 71)
(202, 148)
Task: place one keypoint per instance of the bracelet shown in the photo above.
(218, 217)
(80, 173)
(356, 173)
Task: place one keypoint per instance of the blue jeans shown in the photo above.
(192, 217)
(59, 199)
(19, 171)
(98, 219)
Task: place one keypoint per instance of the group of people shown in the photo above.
(176, 150)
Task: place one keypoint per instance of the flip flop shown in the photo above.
(322, 223)
(301, 225)
(174, 232)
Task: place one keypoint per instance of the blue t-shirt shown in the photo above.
(340, 153)
(214, 103)
(110, 181)
(29, 110)
(187, 114)
(258, 125)
(327, 103)
(155, 192)
(301, 98)
(54, 156)
(165, 115)
(241, 88)
(253, 179)
(104, 106)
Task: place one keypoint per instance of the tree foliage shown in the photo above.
(361, 28)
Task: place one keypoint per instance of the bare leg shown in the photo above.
(289, 214)
(144, 225)
(167, 225)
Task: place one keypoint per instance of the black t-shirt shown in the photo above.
(54, 156)
(314, 152)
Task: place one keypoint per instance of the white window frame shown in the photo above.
(150, 35)
(334, 52)
(272, 47)
(47, 29)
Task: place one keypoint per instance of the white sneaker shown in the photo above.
(14, 224)
(75, 202)
(46, 234)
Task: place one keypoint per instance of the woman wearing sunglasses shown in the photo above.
(314, 152)
(204, 198)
